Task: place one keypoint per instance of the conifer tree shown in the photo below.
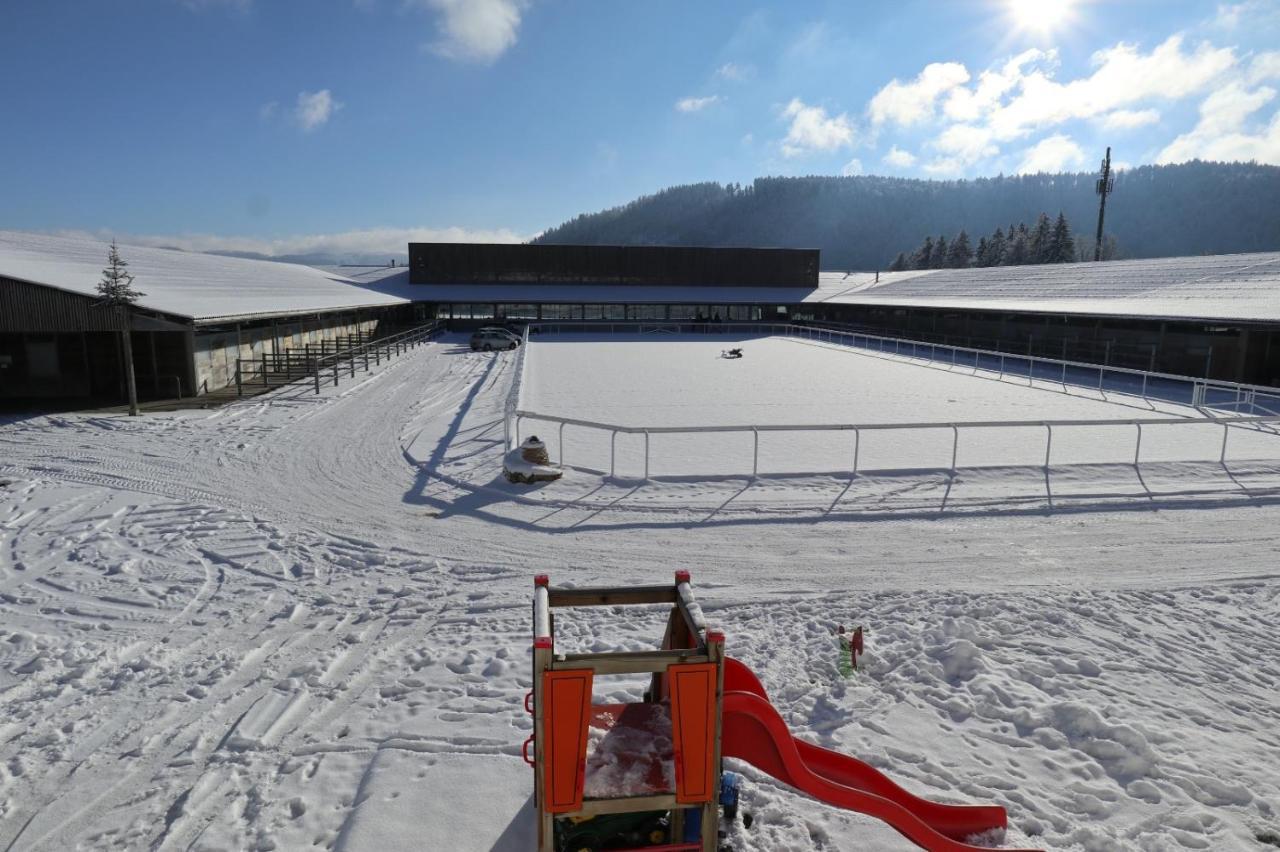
(1040, 242)
(923, 256)
(899, 263)
(996, 248)
(981, 255)
(1016, 254)
(938, 260)
(961, 255)
(115, 292)
(1062, 246)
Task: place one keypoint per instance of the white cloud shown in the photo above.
(853, 167)
(813, 130)
(1265, 66)
(1222, 132)
(696, 104)
(900, 158)
(1123, 76)
(1052, 154)
(373, 241)
(1128, 119)
(474, 30)
(733, 71)
(964, 104)
(944, 167)
(913, 102)
(965, 143)
(314, 109)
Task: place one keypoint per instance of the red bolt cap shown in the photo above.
(542, 580)
(715, 636)
(542, 642)
(682, 576)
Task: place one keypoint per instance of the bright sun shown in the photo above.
(1040, 16)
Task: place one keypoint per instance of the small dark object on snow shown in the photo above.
(732, 353)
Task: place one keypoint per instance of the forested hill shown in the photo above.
(862, 222)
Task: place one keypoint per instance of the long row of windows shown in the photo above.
(707, 313)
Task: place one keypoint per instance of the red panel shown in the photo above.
(693, 730)
(567, 699)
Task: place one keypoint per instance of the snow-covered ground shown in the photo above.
(302, 621)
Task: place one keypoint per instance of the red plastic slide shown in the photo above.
(754, 731)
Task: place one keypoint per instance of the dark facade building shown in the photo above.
(661, 266)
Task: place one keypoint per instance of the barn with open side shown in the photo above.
(198, 314)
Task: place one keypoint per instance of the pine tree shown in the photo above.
(981, 256)
(923, 256)
(116, 287)
(899, 263)
(996, 248)
(1039, 244)
(961, 255)
(1062, 246)
(1017, 252)
(115, 291)
(938, 260)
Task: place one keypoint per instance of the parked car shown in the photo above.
(488, 339)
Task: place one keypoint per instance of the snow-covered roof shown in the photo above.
(1232, 287)
(201, 287)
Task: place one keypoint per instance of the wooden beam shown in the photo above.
(628, 662)
(613, 596)
(630, 805)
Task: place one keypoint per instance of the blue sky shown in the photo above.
(287, 126)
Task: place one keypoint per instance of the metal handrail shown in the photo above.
(315, 364)
(514, 415)
(1240, 422)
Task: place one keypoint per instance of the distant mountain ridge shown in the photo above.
(862, 222)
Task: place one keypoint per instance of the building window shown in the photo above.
(562, 312)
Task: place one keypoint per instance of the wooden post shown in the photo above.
(711, 810)
(130, 385)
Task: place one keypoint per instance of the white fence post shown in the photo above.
(562, 444)
(857, 445)
(955, 445)
(755, 454)
(613, 453)
(1226, 431)
(1048, 444)
(646, 455)
(1137, 451)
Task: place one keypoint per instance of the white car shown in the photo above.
(488, 339)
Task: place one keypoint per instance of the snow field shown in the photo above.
(303, 622)
(659, 381)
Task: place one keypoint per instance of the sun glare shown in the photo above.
(1040, 16)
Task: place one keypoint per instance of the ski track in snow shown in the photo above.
(290, 622)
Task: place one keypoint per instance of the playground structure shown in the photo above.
(701, 707)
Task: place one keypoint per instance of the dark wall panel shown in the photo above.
(30, 307)
(475, 263)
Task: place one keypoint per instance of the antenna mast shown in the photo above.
(1105, 186)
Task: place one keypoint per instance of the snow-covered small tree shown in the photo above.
(899, 263)
(115, 291)
(116, 287)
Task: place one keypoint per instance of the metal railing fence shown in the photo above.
(1204, 394)
(1268, 424)
(328, 359)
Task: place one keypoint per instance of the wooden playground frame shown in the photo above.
(687, 682)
